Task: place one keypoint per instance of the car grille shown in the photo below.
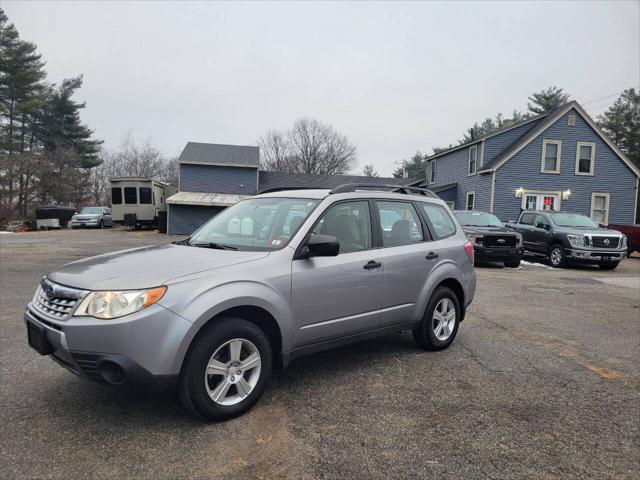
(605, 242)
(88, 363)
(59, 303)
(499, 241)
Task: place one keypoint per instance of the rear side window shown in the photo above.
(116, 195)
(440, 219)
(130, 195)
(527, 218)
(400, 224)
(145, 195)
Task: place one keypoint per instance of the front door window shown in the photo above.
(540, 201)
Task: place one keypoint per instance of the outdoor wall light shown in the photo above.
(566, 194)
(519, 192)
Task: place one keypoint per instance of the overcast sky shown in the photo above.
(394, 77)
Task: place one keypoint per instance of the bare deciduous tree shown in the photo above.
(369, 171)
(310, 146)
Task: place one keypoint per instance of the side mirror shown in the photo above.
(544, 226)
(322, 246)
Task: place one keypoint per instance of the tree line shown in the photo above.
(47, 154)
(621, 122)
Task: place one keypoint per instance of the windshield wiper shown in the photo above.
(219, 246)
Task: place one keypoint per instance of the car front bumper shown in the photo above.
(594, 256)
(138, 350)
(497, 254)
(94, 222)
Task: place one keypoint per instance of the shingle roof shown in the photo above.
(216, 154)
(298, 180)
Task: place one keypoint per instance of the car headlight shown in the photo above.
(108, 305)
(518, 239)
(576, 240)
(624, 241)
(475, 237)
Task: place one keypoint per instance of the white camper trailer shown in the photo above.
(138, 202)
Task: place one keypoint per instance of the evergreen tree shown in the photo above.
(415, 168)
(546, 100)
(621, 122)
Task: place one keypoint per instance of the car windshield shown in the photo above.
(572, 220)
(91, 210)
(478, 219)
(255, 224)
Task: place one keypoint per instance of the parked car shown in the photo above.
(632, 233)
(492, 241)
(215, 313)
(569, 238)
(97, 217)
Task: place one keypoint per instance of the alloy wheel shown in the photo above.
(556, 256)
(232, 371)
(444, 319)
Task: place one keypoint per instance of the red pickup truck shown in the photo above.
(632, 233)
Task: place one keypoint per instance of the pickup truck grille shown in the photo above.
(55, 301)
(605, 242)
(499, 241)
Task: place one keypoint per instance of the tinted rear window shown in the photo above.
(116, 195)
(145, 195)
(130, 195)
(440, 219)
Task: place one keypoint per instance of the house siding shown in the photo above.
(218, 179)
(186, 219)
(611, 175)
(452, 168)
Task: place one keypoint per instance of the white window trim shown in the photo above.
(607, 204)
(544, 150)
(451, 205)
(432, 172)
(466, 204)
(593, 158)
(557, 193)
(475, 170)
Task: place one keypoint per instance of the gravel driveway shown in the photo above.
(543, 381)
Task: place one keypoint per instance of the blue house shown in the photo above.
(213, 177)
(560, 160)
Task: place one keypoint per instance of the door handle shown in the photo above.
(371, 265)
(432, 256)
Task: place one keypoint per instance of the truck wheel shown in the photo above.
(556, 256)
(515, 264)
(226, 370)
(439, 324)
(608, 266)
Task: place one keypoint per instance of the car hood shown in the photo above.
(146, 267)
(588, 231)
(483, 230)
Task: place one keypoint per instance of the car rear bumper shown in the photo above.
(140, 350)
(594, 256)
(497, 254)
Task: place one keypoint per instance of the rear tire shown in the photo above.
(431, 334)
(515, 264)
(200, 391)
(556, 256)
(608, 266)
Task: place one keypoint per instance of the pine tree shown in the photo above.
(621, 122)
(415, 168)
(546, 100)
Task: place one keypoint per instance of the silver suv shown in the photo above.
(273, 277)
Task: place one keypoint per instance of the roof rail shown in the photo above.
(404, 189)
(282, 189)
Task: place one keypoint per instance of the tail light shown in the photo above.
(468, 247)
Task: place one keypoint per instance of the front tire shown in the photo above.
(556, 256)
(101, 225)
(439, 324)
(226, 370)
(608, 266)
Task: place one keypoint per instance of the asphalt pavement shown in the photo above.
(543, 381)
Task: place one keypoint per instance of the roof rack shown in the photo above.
(282, 189)
(404, 189)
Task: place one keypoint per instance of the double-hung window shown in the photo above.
(432, 171)
(471, 200)
(473, 160)
(585, 158)
(600, 207)
(551, 151)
